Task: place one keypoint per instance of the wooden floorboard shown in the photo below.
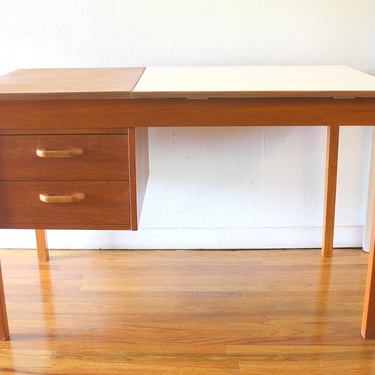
(185, 312)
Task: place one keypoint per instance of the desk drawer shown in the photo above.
(64, 157)
(105, 205)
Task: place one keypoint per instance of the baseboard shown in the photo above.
(190, 238)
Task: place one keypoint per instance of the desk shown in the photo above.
(74, 149)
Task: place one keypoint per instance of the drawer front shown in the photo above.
(64, 157)
(87, 205)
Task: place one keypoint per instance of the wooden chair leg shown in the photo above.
(330, 190)
(41, 244)
(4, 328)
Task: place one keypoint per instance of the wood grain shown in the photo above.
(185, 312)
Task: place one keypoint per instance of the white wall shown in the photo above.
(212, 188)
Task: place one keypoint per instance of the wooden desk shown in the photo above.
(74, 150)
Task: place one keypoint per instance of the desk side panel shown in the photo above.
(138, 171)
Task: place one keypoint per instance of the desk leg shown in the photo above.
(4, 329)
(330, 190)
(368, 321)
(41, 245)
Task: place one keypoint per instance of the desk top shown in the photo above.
(75, 83)
(254, 81)
(187, 82)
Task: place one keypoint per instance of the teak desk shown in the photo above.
(73, 142)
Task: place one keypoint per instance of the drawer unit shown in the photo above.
(65, 181)
(64, 157)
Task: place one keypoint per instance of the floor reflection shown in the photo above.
(322, 298)
(48, 306)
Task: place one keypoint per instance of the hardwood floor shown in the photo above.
(185, 313)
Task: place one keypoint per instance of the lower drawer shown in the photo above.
(65, 205)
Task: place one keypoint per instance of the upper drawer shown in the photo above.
(64, 157)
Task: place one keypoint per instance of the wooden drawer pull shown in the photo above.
(48, 154)
(74, 198)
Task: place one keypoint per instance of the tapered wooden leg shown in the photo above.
(41, 244)
(330, 190)
(368, 321)
(4, 329)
